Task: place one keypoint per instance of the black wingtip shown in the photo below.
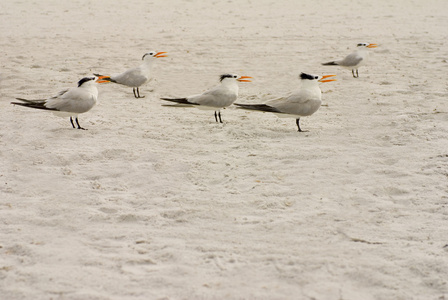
(259, 107)
(38, 104)
(179, 100)
(31, 101)
(174, 99)
(22, 104)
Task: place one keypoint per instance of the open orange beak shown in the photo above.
(159, 54)
(372, 46)
(323, 79)
(100, 79)
(244, 79)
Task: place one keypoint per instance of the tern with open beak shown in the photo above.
(304, 102)
(138, 76)
(355, 59)
(70, 102)
(217, 98)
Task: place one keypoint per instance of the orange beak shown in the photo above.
(159, 54)
(372, 46)
(244, 79)
(327, 80)
(100, 79)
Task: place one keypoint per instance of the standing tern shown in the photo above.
(301, 103)
(355, 59)
(218, 97)
(70, 102)
(135, 77)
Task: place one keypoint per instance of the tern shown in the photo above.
(218, 97)
(355, 59)
(304, 102)
(135, 77)
(70, 102)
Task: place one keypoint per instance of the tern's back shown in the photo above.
(133, 77)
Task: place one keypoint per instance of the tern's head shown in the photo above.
(153, 54)
(87, 81)
(307, 78)
(366, 45)
(234, 78)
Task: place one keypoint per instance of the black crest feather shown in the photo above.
(307, 76)
(85, 79)
(225, 76)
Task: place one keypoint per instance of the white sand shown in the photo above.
(155, 202)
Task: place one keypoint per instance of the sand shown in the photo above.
(156, 202)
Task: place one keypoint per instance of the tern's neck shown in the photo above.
(310, 84)
(148, 62)
(91, 87)
(362, 50)
(230, 84)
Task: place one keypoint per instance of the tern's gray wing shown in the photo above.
(132, 77)
(60, 94)
(73, 100)
(350, 60)
(217, 97)
(300, 103)
(204, 100)
(41, 103)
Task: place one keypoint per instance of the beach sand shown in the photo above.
(157, 202)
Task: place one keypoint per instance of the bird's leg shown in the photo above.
(357, 74)
(216, 117)
(298, 125)
(219, 115)
(353, 72)
(138, 93)
(71, 121)
(79, 126)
